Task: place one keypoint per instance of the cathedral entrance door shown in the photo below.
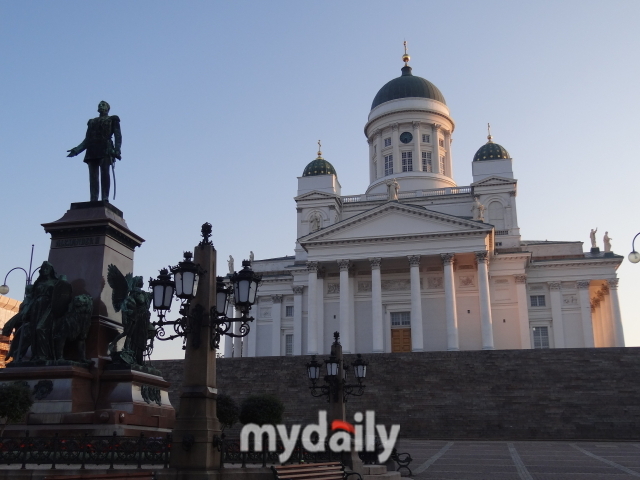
(401, 340)
(400, 334)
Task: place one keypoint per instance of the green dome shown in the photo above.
(319, 167)
(406, 86)
(490, 151)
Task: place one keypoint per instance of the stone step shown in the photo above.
(375, 469)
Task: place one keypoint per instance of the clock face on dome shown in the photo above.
(406, 137)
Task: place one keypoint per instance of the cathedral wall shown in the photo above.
(434, 323)
(573, 333)
(331, 322)
(506, 327)
(364, 333)
(469, 328)
(504, 394)
(263, 340)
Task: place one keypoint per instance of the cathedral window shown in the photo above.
(288, 311)
(388, 165)
(537, 301)
(387, 142)
(426, 138)
(400, 319)
(441, 142)
(426, 162)
(288, 344)
(442, 165)
(540, 337)
(407, 161)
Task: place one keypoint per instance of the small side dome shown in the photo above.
(319, 166)
(491, 151)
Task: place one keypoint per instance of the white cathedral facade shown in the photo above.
(418, 263)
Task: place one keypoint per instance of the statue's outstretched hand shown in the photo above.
(118, 155)
(72, 153)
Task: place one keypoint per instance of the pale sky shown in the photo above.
(222, 103)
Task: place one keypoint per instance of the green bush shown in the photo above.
(228, 410)
(261, 409)
(15, 402)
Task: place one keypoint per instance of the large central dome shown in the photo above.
(405, 86)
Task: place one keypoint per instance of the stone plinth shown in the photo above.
(84, 242)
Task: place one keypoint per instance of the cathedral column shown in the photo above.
(297, 319)
(379, 156)
(351, 348)
(605, 320)
(372, 161)
(450, 302)
(395, 142)
(585, 312)
(615, 312)
(345, 321)
(596, 327)
(377, 321)
(417, 337)
(435, 156)
(448, 161)
(320, 310)
(417, 159)
(276, 329)
(485, 301)
(523, 311)
(312, 307)
(556, 314)
(597, 305)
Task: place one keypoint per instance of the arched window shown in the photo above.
(496, 215)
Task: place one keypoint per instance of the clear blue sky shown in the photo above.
(222, 104)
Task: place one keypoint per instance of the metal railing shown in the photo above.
(85, 450)
(433, 192)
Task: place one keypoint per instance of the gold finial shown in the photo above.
(319, 149)
(489, 137)
(406, 57)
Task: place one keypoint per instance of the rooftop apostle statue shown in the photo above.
(101, 150)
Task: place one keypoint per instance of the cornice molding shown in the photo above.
(412, 110)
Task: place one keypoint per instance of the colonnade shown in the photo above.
(604, 308)
(315, 315)
(435, 132)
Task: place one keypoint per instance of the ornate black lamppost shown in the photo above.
(634, 257)
(336, 388)
(204, 298)
(4, 288)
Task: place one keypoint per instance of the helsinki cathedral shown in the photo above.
(418, 263)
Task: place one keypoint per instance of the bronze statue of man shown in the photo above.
(101, 150)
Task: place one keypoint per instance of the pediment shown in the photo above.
(393, 220)
(493, 181)
(315, 195)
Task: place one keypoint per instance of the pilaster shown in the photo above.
(585, 313)
(556, 314)
(523, 311)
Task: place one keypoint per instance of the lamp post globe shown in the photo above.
(186, 276)
(163, 288)
(245, 286)
(634, 257)
(313, 369)
(4, 289)
(222, 296)
(360, 368)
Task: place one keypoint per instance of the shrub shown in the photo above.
(262, 410)
(228, 410)
(15, 402)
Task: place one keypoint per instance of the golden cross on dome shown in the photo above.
(319, 149)
(406, 57)
(489, 137)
